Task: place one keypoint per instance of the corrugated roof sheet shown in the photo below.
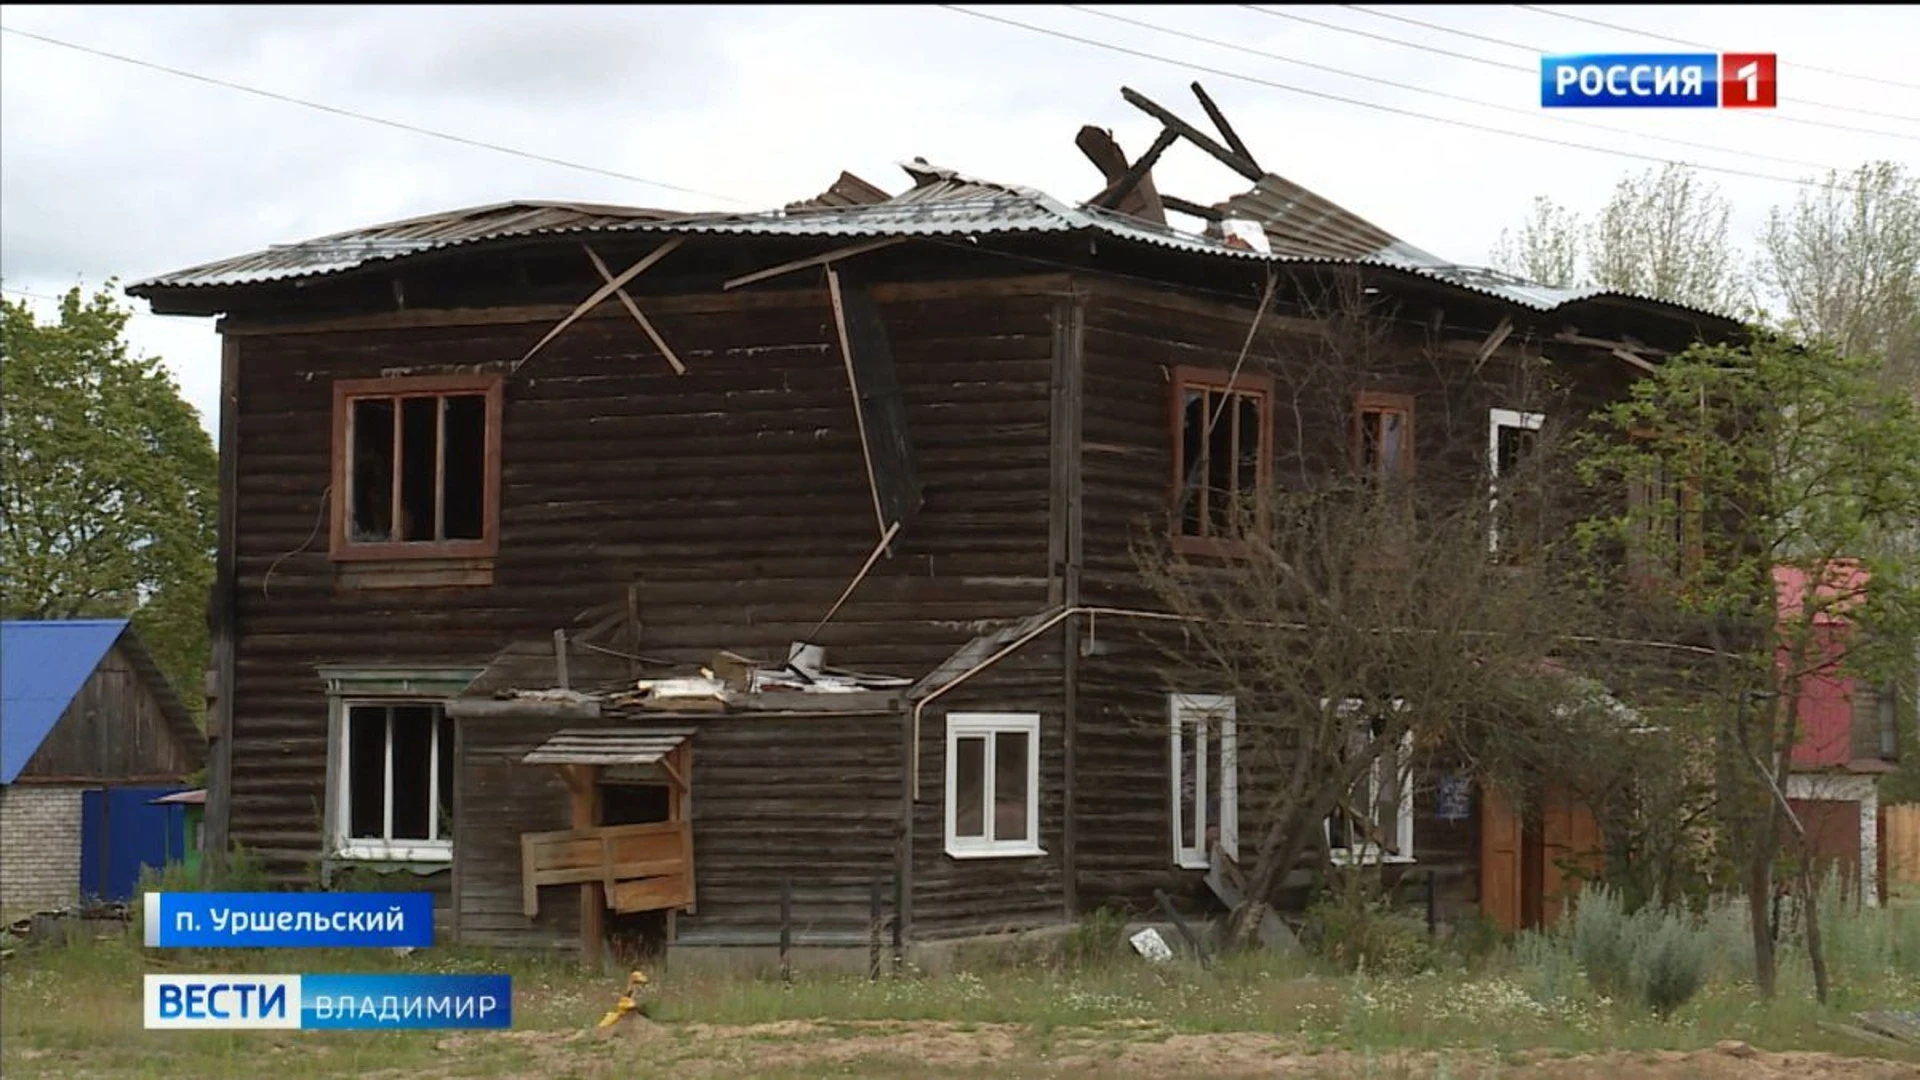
(43, 664)
(1304, 228)
(609, 746)
(848, 190)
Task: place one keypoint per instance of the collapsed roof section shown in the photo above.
(1275, 221)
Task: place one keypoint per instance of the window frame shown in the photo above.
(348, 391)
(1199, 708)
(1401, 761)
(1254, 384)
(1687, 525)
(387, 687)
(1497, 420)
(990, 726)
(1366, 401)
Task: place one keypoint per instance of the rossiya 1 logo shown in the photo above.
(1659, 81)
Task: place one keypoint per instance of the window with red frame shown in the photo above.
(1222, 456)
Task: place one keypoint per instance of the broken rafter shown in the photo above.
(1193, 135)
(1125, 184)
(1208, 213)
(812, 260)
(634, 310)
(1226, 130)
(604, 291)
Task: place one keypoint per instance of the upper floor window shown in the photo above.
(1513, 527)
(416, 467)
(1664, 522)
(1383, 436)
(1222, 456)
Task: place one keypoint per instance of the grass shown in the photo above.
(75, 1011)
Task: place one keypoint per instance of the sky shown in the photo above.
(114, 170)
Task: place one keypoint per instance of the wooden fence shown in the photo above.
(1900, 841)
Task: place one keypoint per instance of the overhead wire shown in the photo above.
(1323, 95)
(368, 118)
(1837, 73)
(1504, 65)
(1429, 91)
(1799, 100)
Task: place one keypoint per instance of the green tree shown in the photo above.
(1844, 265)
(1752, 465)
(1664, 234)
(110, 485)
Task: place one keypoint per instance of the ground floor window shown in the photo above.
(397, 785)
(1202, 752)
(993, 782)
(1373, 822)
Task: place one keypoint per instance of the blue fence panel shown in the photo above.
(120, 834)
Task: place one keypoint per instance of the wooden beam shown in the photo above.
(1199, 210)
(812, 260)
(560, 660)
(1226, 130)
(1193, 135)
(1493, 342)
(1124, 184)
(602, 293)
(215, 840)
(634, 310)
(1635, 361)
(1573, 338)
(853, 384)
(585, 807)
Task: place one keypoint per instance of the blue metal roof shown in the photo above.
(43, 664)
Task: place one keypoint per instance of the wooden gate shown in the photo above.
(1900, 843)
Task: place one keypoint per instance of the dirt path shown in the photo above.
(1139, 1049)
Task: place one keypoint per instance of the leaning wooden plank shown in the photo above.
(652, 894)
(600, 294)
(633, 309)
(1126, 183)
(1493, 342)
(813, 260)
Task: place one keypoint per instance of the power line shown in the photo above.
(399, 125)
(1696, 45)
(1529, 113)
(135, 312)
(1503, 65)
(1377, 107)
(1534, 49)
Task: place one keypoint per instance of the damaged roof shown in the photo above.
(1302, 228)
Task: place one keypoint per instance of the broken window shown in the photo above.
(993, 778)
(1205, 778)
(1222, 456)
(1373, 820)
(395, 781)
(1513, 494)
(418, 464)
(1383, 437)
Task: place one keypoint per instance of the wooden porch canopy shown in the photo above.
(625, 868)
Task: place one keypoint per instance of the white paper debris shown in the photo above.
(1150, 944)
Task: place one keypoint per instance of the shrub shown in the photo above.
(1369, 934)
(1099, 938)
(1657, 956)
(1669, 959)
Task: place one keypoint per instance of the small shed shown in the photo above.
(90, 734)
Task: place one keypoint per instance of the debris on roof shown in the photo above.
(1297, 226)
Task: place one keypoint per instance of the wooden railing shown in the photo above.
(640, 867)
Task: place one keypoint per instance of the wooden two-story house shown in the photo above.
(467, 520)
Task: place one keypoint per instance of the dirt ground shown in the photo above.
(1141, 1049)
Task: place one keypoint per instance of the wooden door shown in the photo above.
(1500, 875)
